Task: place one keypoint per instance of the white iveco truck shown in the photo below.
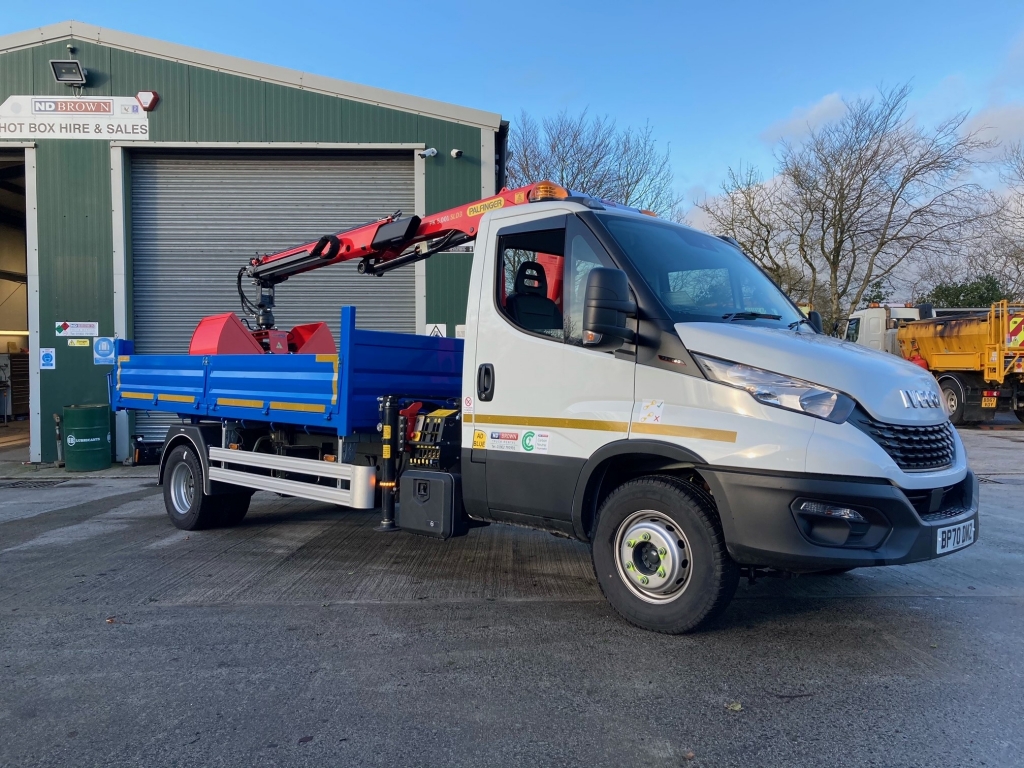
(644, 387)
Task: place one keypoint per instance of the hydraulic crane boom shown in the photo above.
(381, 245)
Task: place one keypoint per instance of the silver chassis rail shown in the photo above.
(361, 481)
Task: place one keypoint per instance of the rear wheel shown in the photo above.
(232, 508)
(660, 557)
(1019, 413)
(953, 397)
(187, 506)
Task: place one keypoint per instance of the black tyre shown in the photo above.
(1019, 413)
(660, 557)
(231, 509)
(953, 397)
(187, 506)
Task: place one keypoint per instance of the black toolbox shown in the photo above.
(430, 503)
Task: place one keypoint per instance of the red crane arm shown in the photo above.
(386, 239)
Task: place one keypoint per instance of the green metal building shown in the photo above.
(121, 217)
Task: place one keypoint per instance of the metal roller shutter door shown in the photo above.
(197, 218)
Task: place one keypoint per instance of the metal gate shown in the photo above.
(196, 218)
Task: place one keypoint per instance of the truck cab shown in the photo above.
(870, 327)
(718, 414)
(632, 383)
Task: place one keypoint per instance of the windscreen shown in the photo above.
(700, 278)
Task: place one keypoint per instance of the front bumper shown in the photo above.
(764, 527)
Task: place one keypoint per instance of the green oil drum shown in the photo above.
(86, 430)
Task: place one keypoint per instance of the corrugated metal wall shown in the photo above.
(74, 206)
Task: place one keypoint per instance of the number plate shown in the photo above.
(989, 402)
(954, 537)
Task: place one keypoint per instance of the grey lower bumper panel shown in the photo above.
(762, 527)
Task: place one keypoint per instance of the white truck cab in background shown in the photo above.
(645, 387)
(874, 327)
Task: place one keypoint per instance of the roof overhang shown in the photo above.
(250, 69)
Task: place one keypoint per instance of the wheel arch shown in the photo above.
(617, 462)
(197, 438)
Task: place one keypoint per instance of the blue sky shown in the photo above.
(719, 84)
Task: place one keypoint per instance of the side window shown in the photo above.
(584, 253)
(529, 275)
(853, 329)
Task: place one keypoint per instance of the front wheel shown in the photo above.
(660, 556)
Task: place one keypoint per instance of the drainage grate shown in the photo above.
(30, 483)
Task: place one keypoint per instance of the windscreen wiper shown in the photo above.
(802, 321)
(750, 316)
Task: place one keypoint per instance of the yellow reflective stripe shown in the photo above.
(239, 402)
(177, 398)
(538, 421)
(671, 430)
(334, 380)
(123, 359)
(700, 433)
(168, 398)
(304, 407)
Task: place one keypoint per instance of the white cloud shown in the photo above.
(1002, 122)
(804, 119)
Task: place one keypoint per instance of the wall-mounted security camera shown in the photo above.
(428, 153)
(456, 153)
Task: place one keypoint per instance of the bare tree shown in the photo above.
(858, 199)
(591, 155)
(1001, 250)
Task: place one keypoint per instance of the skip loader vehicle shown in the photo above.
(633, 383)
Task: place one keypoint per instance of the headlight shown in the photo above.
(778, 390)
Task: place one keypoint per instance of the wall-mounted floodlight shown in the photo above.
(69, 72)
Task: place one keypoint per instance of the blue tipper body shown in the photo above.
(334, 393)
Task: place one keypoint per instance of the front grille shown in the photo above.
(913, 448)
(943, 514)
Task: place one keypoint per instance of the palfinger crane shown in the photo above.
(381, 246)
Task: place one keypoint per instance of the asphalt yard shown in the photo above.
(303, 637)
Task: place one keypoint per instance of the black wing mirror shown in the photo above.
(606, 307)
(814, 318)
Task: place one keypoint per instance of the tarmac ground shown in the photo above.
(302, 637)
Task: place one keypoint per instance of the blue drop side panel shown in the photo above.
(157, 376)
(290, 389)
(316, 391)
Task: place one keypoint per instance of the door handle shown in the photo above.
(485, 382)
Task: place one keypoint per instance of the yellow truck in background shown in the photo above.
(977, 355)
